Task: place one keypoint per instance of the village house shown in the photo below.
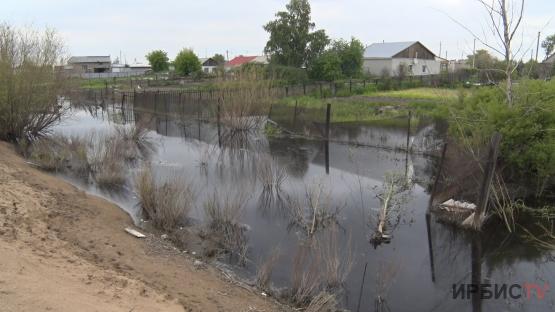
(88, 64)
(209, 65)
(400, 58)
(242, 60)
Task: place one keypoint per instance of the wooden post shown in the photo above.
(362, 286)
(156, 101)
(286, 91)
(270, 112)
(437, 177)
(489, 172)
(328, 117)
(295, 114)
(219, 125)
(408, 131)
(430, 246)
(304, 88)
(350, 86)
(321, 91)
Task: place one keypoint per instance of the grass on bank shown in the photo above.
(357, 109)
(420, 93)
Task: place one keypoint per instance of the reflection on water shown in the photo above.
(424, 258)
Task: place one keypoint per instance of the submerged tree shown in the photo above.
(158, 60)
(29, 82)
(292, 41)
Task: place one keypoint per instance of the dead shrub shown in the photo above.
(314, 211)
(165, 204)
(30, 85)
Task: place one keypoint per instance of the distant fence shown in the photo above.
(107, 75)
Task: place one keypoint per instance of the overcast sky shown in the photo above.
(134, 27)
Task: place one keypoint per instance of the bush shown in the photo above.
(29, 83)
(528, 144)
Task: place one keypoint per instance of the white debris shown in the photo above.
(457, 206)
(135, 233)
(164, 236)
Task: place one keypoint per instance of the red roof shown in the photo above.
(240, 60)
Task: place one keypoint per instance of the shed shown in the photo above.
(400, 58)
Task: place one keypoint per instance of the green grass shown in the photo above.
(420, 93)
(345, 110)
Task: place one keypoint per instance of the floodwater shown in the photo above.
(416, 271)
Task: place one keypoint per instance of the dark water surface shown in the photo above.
(416, 270)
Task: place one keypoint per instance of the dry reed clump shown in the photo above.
(335, 262)
(264, 272)
(59, 153)
(222, 215)
(166, 204)
(270, 175)
(305, 276)
(314, 211)
(108, 162)
(245, 100)
(134, 139)
(323, 302)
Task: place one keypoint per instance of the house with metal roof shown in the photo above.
(89, 64)
(242, 60)
(410, 58)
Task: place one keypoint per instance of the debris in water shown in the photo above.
(457, 206)
(135, 233)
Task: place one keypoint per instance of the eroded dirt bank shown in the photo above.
(64, 250)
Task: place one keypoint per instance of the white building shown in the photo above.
(396, 58)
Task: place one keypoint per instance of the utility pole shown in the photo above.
(227, 55)
(538, 46)
(440, 48)
(474, 55)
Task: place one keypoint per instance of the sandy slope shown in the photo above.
(63, 250)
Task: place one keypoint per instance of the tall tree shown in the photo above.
(482, 59)
(186, 62)
(218, 58)
(292, 39)
(549, 45)
(351, 54)
(158, 60)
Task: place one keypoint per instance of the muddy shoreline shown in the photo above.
(79, 240)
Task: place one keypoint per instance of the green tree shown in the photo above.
(220, 59)
(484, 60)
(186, 62)
(292, 41)
(351, 54)
(549, 45)
(158, 60)
(327, 67)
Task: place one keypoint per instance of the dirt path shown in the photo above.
(63, 250)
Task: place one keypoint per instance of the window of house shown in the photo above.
(410, 68)
(424, 68)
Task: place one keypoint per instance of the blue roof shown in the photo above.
(386, 49)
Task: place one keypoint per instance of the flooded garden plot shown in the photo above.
(312, 222)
